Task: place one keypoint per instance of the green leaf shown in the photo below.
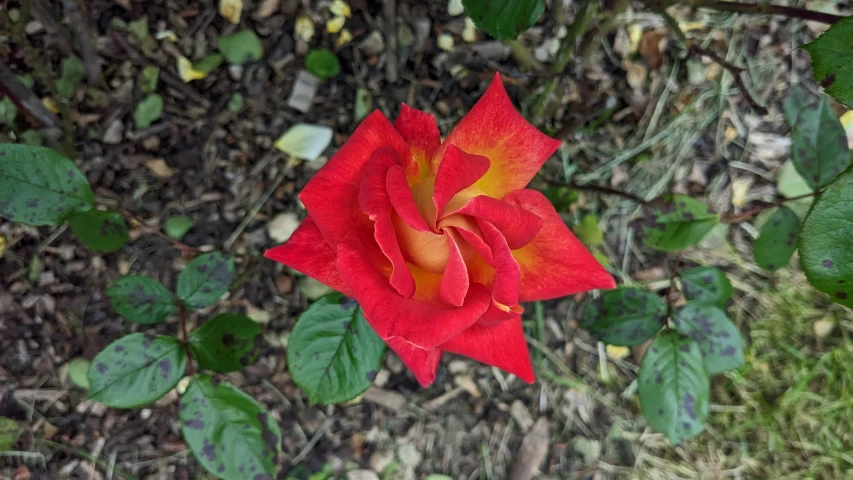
(10, 431)
(205, 280)
(819, 148)
(826, 243)
(100, 230)
(136, 370)
(707, 284)
(148, 111)
(141, 299)
(588, 231)
(241, 47)
(229, 433)
(227, 343)
(674, 388)
(8, 112)
(796, 99)
(73, 72)
(139, 28)
(832, 60)
(236, 102)
(178, 226)
(150, 76)
(718, 338)
(323, 63)
(78, 372)
(504, 19)
(674, 222)
(363, 104)
(31, 137)
(208, 63)
(624, 317)
(333, 354)
(38, 186)
(777, 239)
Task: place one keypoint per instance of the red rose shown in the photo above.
(440, 241)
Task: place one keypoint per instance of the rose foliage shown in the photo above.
(439, 241)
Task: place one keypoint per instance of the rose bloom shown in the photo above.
(440, 241)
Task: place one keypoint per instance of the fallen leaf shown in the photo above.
(740, 189)
(305, 141)
(340, 8)
(267, 8)
(159, 168)
(469, 33)
(304, 28)
(652, 45)
(335, 24)
(823, 327)
(344, 38)
(617, 352)
(231, 10)
(187, 72)
(282, 226)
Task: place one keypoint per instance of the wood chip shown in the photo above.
(533, 450)
(385, 398)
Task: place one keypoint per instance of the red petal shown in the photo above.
(517, 225)
(421, 132)
(308, 252)
(458, 170)
(423, 363)
(374, 201)
(502, 346)
(425, 324)
(331, 197)
(494, 129)
(555, 263)
(507, 273)
(454, 281)
(403, 201)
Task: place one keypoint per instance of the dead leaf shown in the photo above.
(267, 8)
(533, 450)
(652, 46)
(231, 10)
(159, 168)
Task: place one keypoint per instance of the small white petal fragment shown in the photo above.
(335, 24)
(187, 72)
(166, 35)
(231, 10)
(445, 42)
(282, 226)
(340, 8)
(469, 33)
(344, 38)
(304, 28)
(305, 141)
(454, 8)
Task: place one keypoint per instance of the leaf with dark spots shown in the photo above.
(683, 392)
(707, 284)
(141, 299)
(625, 316)
(331, 351)
(777, 239)
(504, 19)
(229, 433)
(673, 222)
(38, 186)
(99, 230)
(205, 280)
(816, 153)
(718, 338)
(134, 376)
(826, 244)
(227, 343)
(832, 60)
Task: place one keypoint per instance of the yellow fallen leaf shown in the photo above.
(469, 33)
(445, 42)
(823, 327)
(740, 187)
(50, 104)
(344, 38)
(335, 24)
(340, 8)
(166, 35)
(231, 10)
(304, 28)
(635, 33)
(731, 133)
(617, 352)
(689, 26)
(160, 168)
(187, 72)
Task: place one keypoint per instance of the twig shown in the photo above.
(79, 27)
(25, 99)
(736, 72)
(595, 188)
(391, 39)
(176, 243)
(255, 209)
(672, 288)
(755, 211)
(765, 9)
(186, 337)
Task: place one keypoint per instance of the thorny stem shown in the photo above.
(186, 337)
(755, 211)
(765, 9)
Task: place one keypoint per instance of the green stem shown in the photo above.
(755, 211)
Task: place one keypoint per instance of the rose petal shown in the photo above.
(308, 252)
(331, 197)
(374, 201)
(422, 362)
(507, 273)
(555, 263)
(454, 282)
(458, 170)
(421, 133)
(516, 224)
(426, 324)
(502, 346)
(403, 201)
(495, 130)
